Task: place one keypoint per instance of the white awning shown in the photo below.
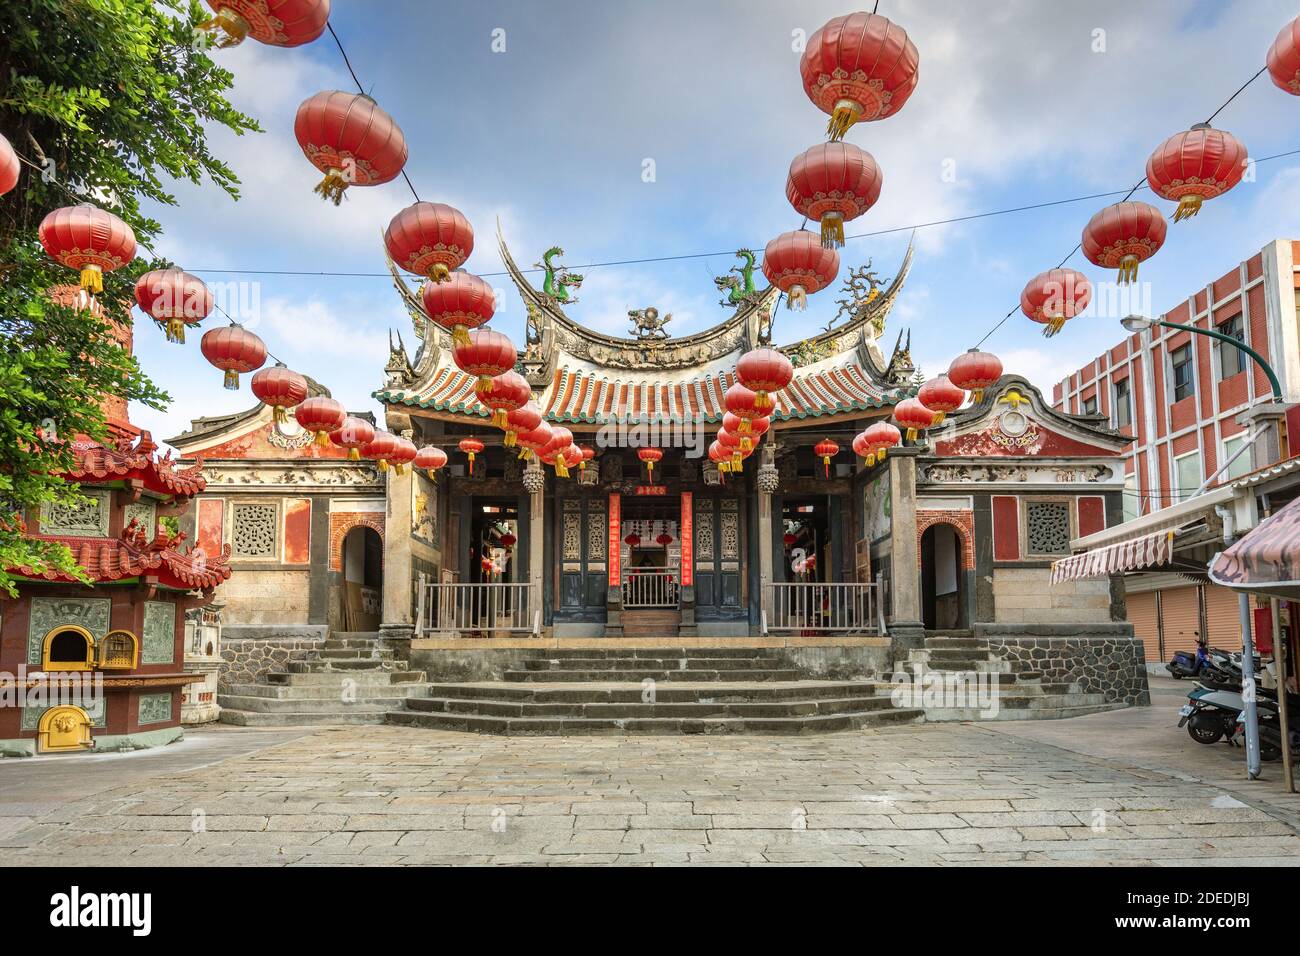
(1150, 550)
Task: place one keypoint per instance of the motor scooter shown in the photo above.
(1211, 713)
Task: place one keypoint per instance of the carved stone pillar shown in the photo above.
(399, 583)
(534, 481)
(767, 481)
(905, 625)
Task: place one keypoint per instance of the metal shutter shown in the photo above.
(1180, 612)
(1142, 615)
(1222, 618)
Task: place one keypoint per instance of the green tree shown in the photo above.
(110, 100)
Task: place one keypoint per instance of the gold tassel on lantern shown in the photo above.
(911, 434)
(92, 279)
(439, 272)
(499, 418)
(471, 463)
(832, 230)
(383, 464)
(510, 439)
(279, 415)
(762, 399)
(796, 298)
(1188, 207)
(231, 25)
(460, 335)
(332, 186)
(746, 444)
(354, 454)
(1054, 325)
(938, 418)
(322, 438)
(231, 380)
(845, 114)
(176, 331)
(1128, 269)
(561, 470)
(523, 454)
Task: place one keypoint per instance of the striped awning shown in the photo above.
(1266, 559)
(1149, 551)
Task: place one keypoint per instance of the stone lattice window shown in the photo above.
(1047, 527)
(89, 518)
(252, 531)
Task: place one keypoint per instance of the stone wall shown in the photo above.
(248, 660)
(1027, 596)
(266, 596)
(1101, 658)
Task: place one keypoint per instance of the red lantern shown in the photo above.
(650, 456)
(471, 447)
(857, 68)
(743, 404)
(1284, 58)
(941, 395)
(798, 265)
(862, 448)
(503, 394)
(833, 183)
(233, 349)
(911, 414)
(1055, 296)
(573, 458)
(404, 454)
(274, 22)
(557, 448)
(9, 166)
(749, 429)
(380, 449)
(90, 239)
(588, 453)
(881, 437)
(975, 371)
(664, 539)
(522, 419)
(789, 539)
(280, 388)
(430, 459)
(173, 298)
(826, 450)
(508, 540)
(535, 440)
(485, 353)
(1194, 166)
(321, 415)
(731, 442)
(354, 434)
(1123, 235)
(430, 239)
(351, 140)
(632, 540)
(460, 303)
(720, 455)
(764, 371)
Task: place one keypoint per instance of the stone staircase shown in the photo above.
(351, 679)
(1011, 692)
(644, 691)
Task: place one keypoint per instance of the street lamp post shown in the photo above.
(1140, 323)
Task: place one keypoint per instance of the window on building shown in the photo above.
(1241, 465)
(1232, 360)
(1180, 362)
(1090, 405)
(1123, 404)
(1047, 527)
(1131, 501)
(253, 530)
(1187, 476)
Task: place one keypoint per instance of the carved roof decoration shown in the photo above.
(584, 376)
(129, 459)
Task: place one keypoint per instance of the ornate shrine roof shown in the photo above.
(129, 459)
(583, 376)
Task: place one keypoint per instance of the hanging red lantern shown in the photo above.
(507, 540)
(942, 396)
(1284, 59)
(486, 353)
(720, 455)
(862, 448)
(911, 414)
(233, 349)
(789, 539)
(404, 454)
(321, 415)
(381, 448)
(743, 404)
(471, 447)
(1123, 235)
(650, 456)
(274, 22)
(174, 299)
(354, 434)
(588, 453)
(632, 540)
(750, 430)
(1196, 165)
(975, 371)
(503, 395)
(664, 539)
(89, 239)
(826, 450)
(460, 303)
(573, 458)
(1055, 296)
(9, 166)
(797, 264)
(764, 371)
(833, 183)
(429, 459)
(430, 239)
(731, 442)
(519, 420)
(280, 388)
(556, 449)
(858, 68)
(880, 437)
(535, 440)
(351, 140)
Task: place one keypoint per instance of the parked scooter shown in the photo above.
(1210, 662)
(1210, 714)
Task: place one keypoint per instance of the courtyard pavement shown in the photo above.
(1119, 788)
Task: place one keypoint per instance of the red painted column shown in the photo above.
(687, 531)
(615, 540)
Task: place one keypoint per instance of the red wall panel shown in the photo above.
(1006, 528)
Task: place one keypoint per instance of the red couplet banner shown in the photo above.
(687, 531)
(615, 542)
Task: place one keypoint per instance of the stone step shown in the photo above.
(935, 655)
(344, 664)
(356, 635)
(253, 718)
(653, 663)
(566, 726)
(638, 710)
(335, 643)
(309, 705)
(354, 653)
(331, 691)
(942, 643)
(1046, 712)
(614, 648)
(729, 674)
(362, 678)
(670, 692)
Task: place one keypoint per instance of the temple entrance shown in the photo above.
(493, 541)
(651, 565)
(942, 604)
(806, 540)
(361, 596)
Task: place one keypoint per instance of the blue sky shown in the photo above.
(1016, 104)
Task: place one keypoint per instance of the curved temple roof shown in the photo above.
(584, 376)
